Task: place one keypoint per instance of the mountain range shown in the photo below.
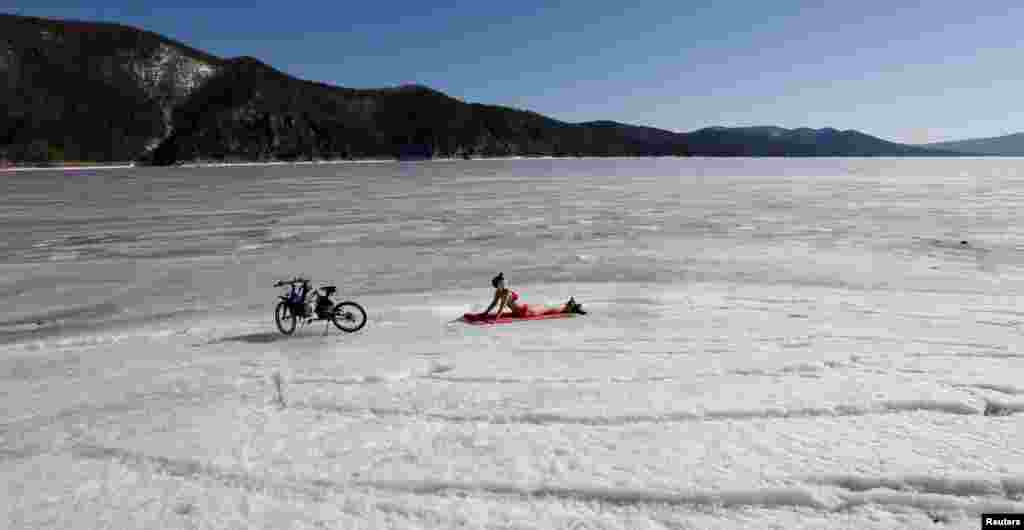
(88, 91)
(1008, 145)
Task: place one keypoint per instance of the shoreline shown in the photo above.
(193, 165)
(125, 165)
(130, 165)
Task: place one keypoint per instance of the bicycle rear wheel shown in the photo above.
(349, 317)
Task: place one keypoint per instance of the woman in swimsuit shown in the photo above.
(504, 297)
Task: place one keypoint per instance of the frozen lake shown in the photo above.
(804, 343)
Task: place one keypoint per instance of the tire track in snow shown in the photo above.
(928, 502)
(772, 301)
(990, 355)
(910, 340)
(795, 496)
(928, 493)
(19, 434)
(430, 371)
(318, 489)
(1010, 324)
(1009, 487)
(994, 406)
(130, 403)
(284, 487)
(799, 370)
(1002, 389)
(971, 494)
(352, 379)
(1007, 312)
(560, 418)
(550, 380)
(279, 487)
(433, 374)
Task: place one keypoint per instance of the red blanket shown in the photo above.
(475, 318)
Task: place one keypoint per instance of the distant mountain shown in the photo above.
(1009, 145)
(106, 92)
(777, 141)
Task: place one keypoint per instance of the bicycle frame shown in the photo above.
(300, 294)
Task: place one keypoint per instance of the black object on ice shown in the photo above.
(575, 307)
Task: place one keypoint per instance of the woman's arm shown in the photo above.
(504, 300)
(494, 302)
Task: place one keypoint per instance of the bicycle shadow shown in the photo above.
(269, 337)
(254, 338)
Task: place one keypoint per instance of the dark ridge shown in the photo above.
(12, 23)
(76, 90)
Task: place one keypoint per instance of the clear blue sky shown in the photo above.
(940, 70)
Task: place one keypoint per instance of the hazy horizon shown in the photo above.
(906, 75)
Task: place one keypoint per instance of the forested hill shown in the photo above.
(252, 111)
(105, 92)
(86, 91)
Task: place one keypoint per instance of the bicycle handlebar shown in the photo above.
(290, 282)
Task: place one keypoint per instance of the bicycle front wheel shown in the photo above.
(349, 317)
(285, 318)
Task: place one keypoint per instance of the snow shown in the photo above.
(169, 76)
(189, 74)
(800, 344)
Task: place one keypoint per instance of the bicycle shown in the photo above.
(298, 305)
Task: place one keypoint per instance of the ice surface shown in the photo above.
(782, 343)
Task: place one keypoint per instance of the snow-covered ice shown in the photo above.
(771, 343)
